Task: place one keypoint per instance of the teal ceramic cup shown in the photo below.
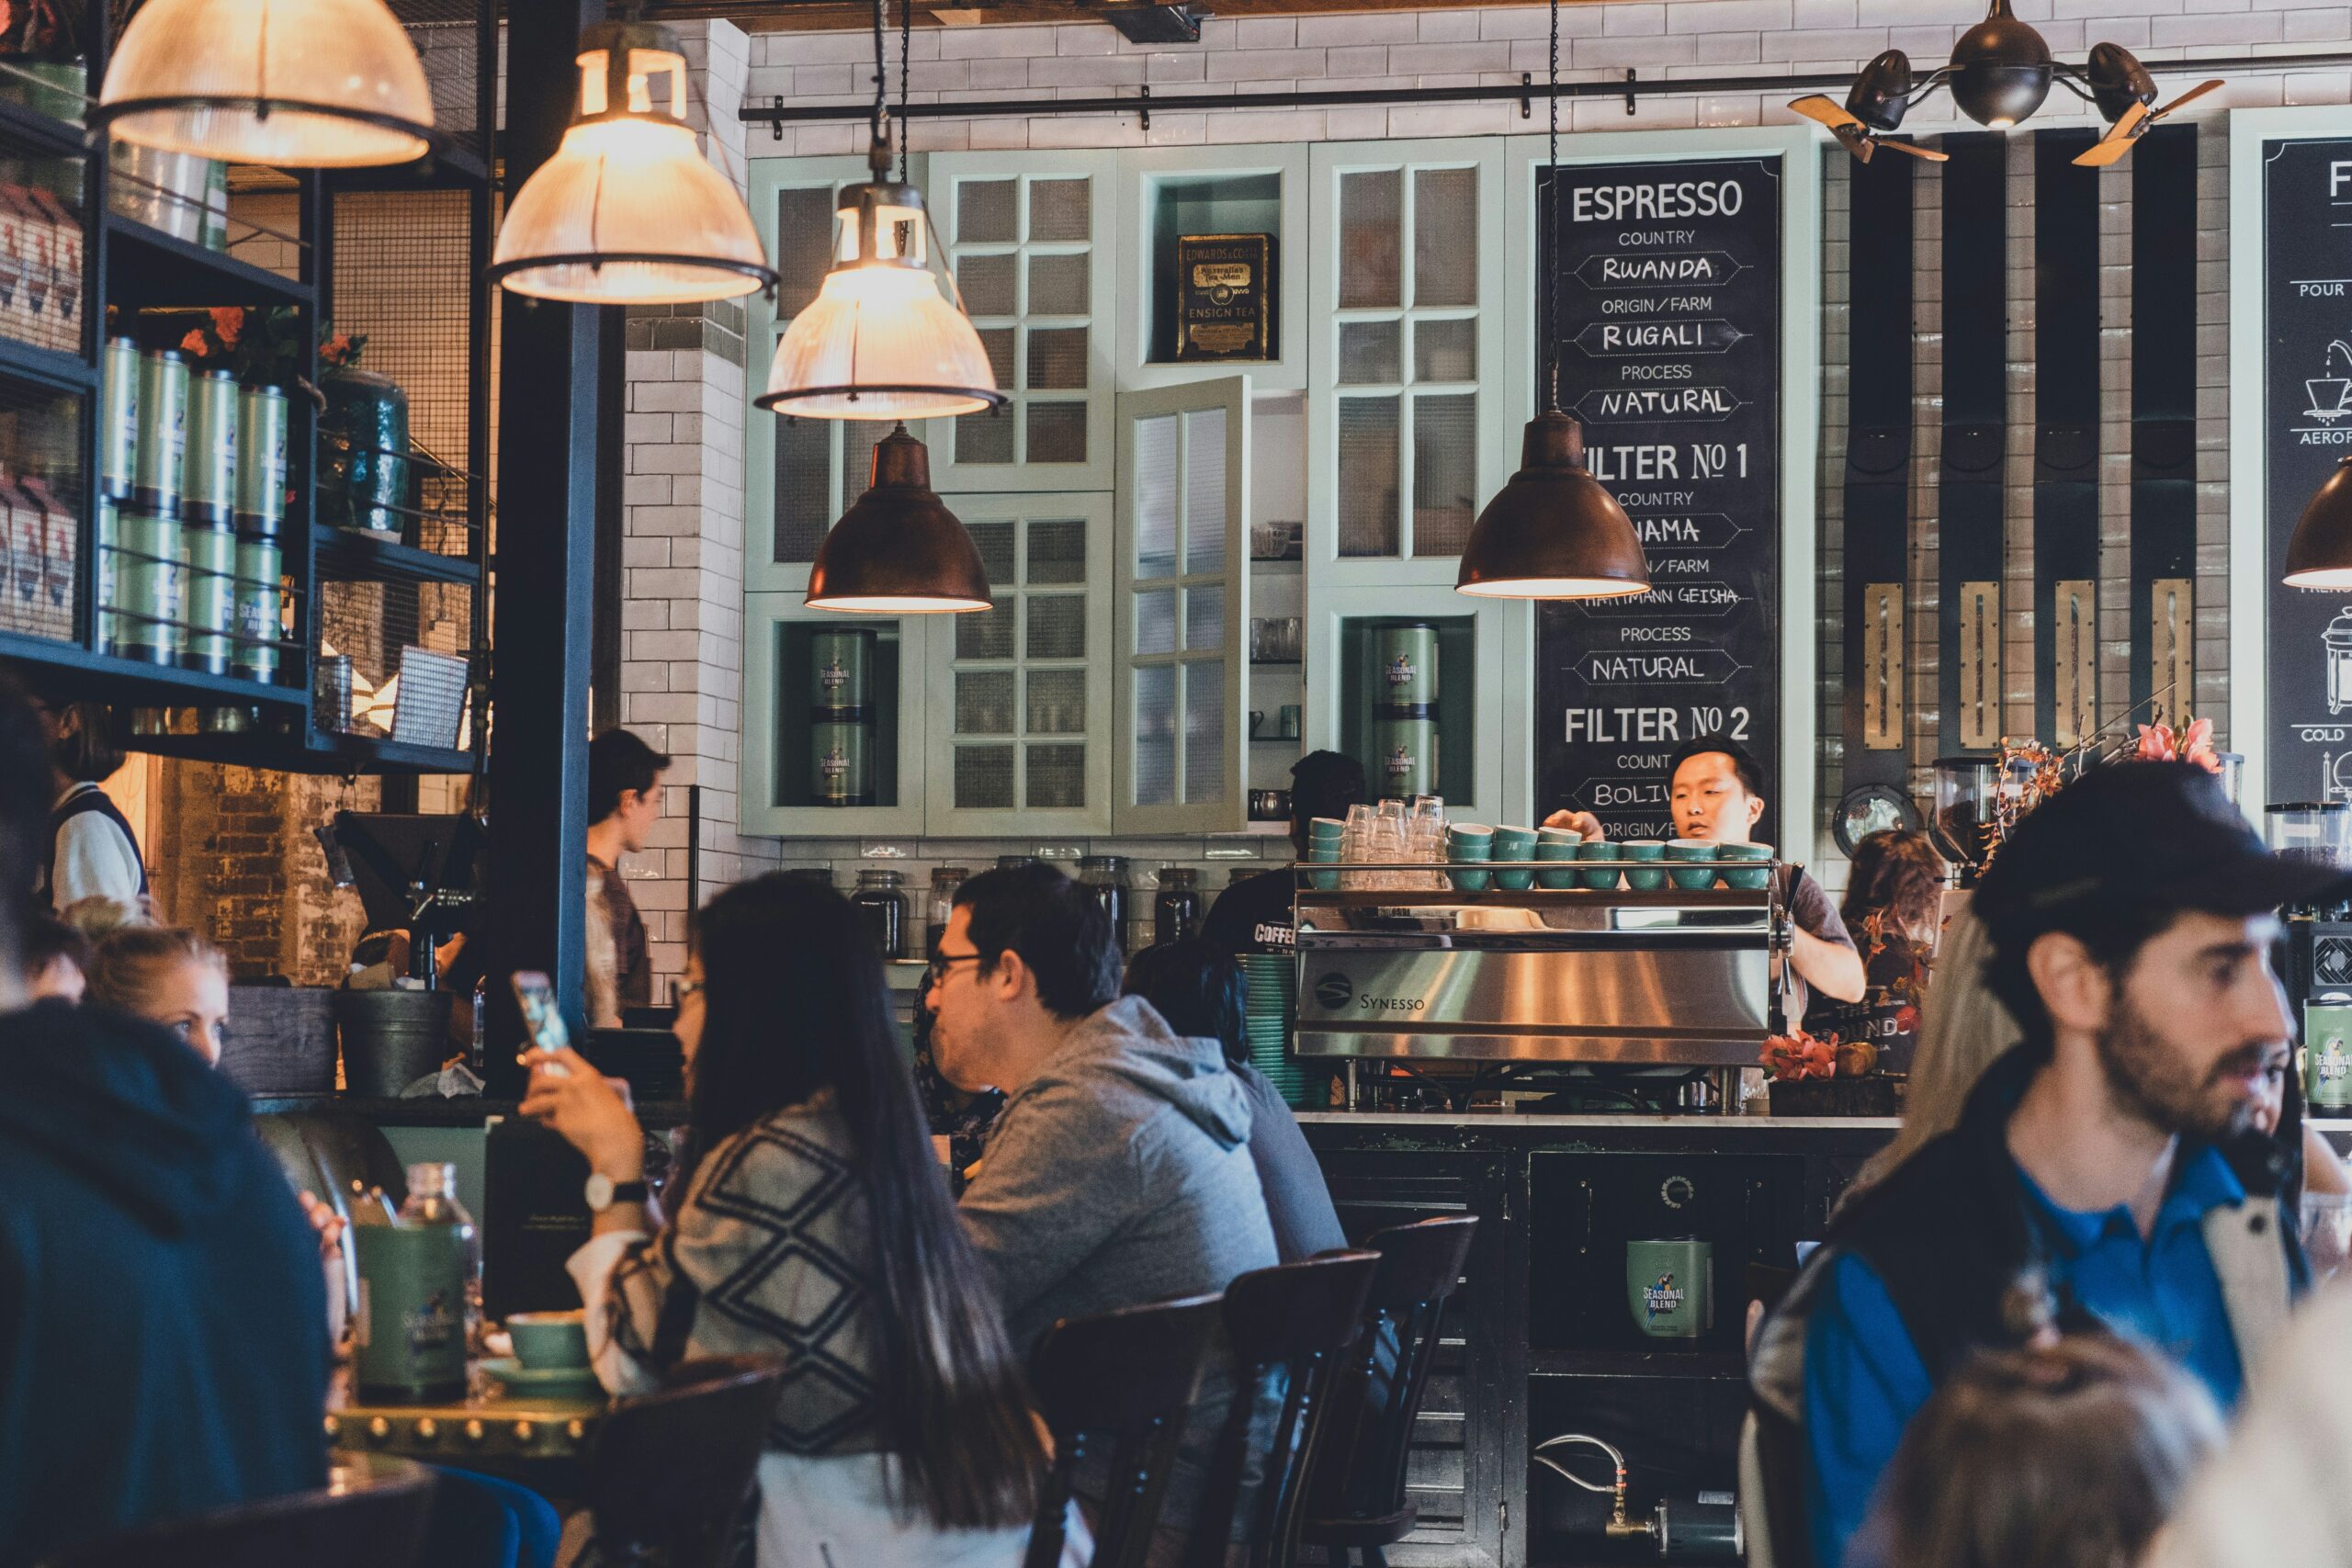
(1323, 851)
(1319, 828)
(545, 1340)
(1670, 1287)
(1689, 878)
(1469, 843)
(1747, 879)
(1563, 850)
(1518, 844)
(1599, 879)
(1644, 878)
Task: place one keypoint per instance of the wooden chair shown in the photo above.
(1355, 1492)
(1293, 1325)
(670, 1471)
(371, 1514)
(1117, 1385)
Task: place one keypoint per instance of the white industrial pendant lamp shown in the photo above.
(887, 336)
(629, 212)
(301, 83)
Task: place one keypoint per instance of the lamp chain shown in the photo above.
(881, 97)
(906, 52)
(1552, 275)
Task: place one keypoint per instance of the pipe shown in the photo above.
(1526, 92)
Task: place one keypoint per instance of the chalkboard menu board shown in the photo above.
(1668, 344)
(2307, 426)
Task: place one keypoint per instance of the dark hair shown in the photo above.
(795, 1005)
(1322, 783)
(45, 939)
(619, 761)
(2111, 930)
(2065, 1455)
(27, 791)
(1744, 764)
(88, 752)
(1897, 870)
(1196, 986)
(1059, 929)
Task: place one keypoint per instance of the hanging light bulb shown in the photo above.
(629, 212)
(302, 84)
(1553, 531)
(897, 549)
(887, 336)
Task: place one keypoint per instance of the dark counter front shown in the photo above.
(1541, 1339)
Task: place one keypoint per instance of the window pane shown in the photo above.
(858, 439)
(1372, 208)
(994, 541)
(1060, 210)
(987, 283)
(984, 212)
(997, 343)
(1204, 492)
(1446, 351)
(1446, 237)
(804, 246)
(985, 633)
(1445, 472)
(1056, 433)
(984, 778)
(983, 438)
(1057, 777)
(1060, 286)
(1057, 625)
(1155, 772)
(984, 702)
(1204, 731)
(804, 487)
(1057, 359)
(1368, 354)
(1204, 618)
(1155, 496)
(1368, 470)
(1058, 702)
(1056, 552)
(1156, 622)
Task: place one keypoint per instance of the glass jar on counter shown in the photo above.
(944, 881)
(1176, 912)
(882, 901)
(1105, 876)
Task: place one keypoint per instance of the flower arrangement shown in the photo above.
(260, 346)
(2193, 742)
(1791, 1058)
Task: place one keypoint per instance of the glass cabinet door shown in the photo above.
(833, 721)
(800, 474)
(1031, 240)
(1184, 600)
(1023, 692)
(1407, 305)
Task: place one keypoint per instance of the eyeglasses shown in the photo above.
(942, 963)
(680, 989)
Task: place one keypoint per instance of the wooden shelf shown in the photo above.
(347, 555)
(47, 365)
(28, 128)
(156, 686)
(148, 267)
(369, 754)
(342, 755)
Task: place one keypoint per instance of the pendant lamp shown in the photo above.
(887, 336)
(299, 83)
(629, 212)
(1553, 531)
(897, 549)
(2320, 553)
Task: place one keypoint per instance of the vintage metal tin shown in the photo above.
(261, 454)
(162, 433)
(209, 468)
(209, 575)
(2327, 1055)
(149, 573)
(60, 541)
(118, 419)
(260, 564)
(839, 763)
(1404, 666)
(108, 534)
(841, 664)
(1403, 763)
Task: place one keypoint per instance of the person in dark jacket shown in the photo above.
(162, 1317)
(1197, 989)
(1254, 915)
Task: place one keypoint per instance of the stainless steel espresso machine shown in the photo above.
(1549, 979)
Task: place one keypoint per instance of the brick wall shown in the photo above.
(233, 857)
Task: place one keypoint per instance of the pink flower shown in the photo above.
(194, 344)
(2194, 743)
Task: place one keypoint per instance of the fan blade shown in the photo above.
(2117, 141)
(2186, 98)
(1826, 109)
(1929, 154)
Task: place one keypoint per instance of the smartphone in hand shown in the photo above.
(534, 994)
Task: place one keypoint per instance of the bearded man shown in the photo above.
(2107, 1174)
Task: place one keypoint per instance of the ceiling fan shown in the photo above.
(1999, 74)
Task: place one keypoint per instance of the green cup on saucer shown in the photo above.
(1514, 844)
(1323, 851)
(1691, 879)
(1645, 879)
(1599, 879)
(1469, 843)
(1747, 879)
(1556, 850)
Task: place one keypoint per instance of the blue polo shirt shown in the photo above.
(1864, 1379)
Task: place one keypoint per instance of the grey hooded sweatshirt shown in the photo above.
(1119, 1175)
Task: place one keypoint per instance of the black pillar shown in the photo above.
(553, 363)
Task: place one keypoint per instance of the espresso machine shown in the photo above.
(2317, 970)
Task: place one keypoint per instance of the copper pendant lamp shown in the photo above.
(897, 549)
(2320, 553)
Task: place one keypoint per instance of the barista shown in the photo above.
(1717, 795)
(1256, 915)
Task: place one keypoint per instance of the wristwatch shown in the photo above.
(603, 1192)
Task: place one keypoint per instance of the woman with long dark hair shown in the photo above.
(811, 1224)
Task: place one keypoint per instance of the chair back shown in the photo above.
(1118, 1386)
(1771, 1490)
(670, 1471)
(1289, 1328)
(1359, 1472)
(371, 1514)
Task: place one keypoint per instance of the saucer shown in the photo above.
(517, 1376)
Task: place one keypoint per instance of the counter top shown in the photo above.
(1591, 1119)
